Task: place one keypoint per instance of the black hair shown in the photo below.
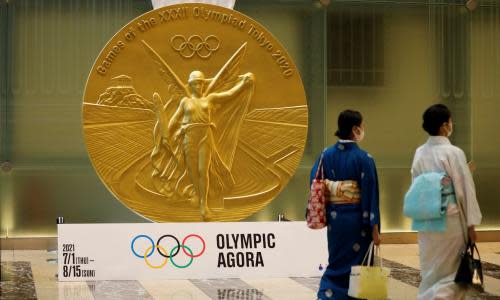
(347, 120)
(434, 117)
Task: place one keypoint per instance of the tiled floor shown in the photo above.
(28, 275)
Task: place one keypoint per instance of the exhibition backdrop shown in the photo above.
(414, 53)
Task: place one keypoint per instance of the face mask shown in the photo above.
(450, 130)
(358, 137)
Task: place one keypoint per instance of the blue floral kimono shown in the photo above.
(349, 225)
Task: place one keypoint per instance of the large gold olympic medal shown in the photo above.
(194, 112)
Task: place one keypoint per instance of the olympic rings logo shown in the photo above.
(195, 44)
(168, 255)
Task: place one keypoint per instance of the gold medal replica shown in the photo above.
(194, 112)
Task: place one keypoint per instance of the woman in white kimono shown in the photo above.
(440, 251)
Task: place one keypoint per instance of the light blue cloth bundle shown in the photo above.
(427, 200)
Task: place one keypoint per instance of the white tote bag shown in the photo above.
(369, 282)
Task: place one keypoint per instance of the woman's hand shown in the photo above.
(247, 77)
(472, 166)
(472, 234)
(376, 235)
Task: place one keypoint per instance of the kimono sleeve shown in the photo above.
(369, 192)
(464, 187)
(415, 166)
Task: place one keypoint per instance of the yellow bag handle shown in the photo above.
(371, 252)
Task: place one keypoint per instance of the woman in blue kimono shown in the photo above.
(352, 211)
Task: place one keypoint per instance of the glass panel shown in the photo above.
(390, 61)
(3, 79)
(485, 90)
(3, 113)
(52, 46)
(386, 99)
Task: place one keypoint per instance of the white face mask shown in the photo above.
(450, 129)
(358, 137)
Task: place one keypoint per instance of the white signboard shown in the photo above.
(190, 250)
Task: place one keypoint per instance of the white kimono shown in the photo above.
(440, 251)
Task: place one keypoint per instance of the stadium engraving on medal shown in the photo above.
(194, 112)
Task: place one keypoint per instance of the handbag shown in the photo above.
(369, 282)
(470, 270)
(316, 204)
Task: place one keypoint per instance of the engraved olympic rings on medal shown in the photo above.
(165, 253)
(195, 44)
